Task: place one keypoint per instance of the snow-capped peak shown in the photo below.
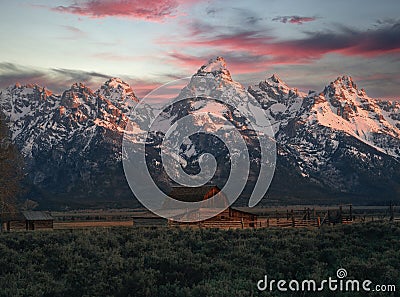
(26, 87)
(342, 107)
(216, 64)
(344, 82)
(217, 67)
(275, 78)
(116, 83)
(344, 96)
(276, 82)
(119, 93)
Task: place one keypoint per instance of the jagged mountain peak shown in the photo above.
(29, 86)
(277, 83)
(76, 95)
(18, 85)
(342, 107)
(274, 90)
(345, 79)
(79, 87)
(344, 82)
(214, 64)
(344, 91)
(217, 67)
(116, 83)
(338, 139)
(213, 79)
(28, 93)
(275, 79)
(118, 92)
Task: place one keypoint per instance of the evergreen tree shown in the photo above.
(11, 170)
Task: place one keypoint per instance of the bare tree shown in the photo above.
(11, 170)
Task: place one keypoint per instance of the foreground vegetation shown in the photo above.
(179, 262)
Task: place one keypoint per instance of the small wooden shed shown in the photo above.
(13, 222)
(26, 220)
(38, 220)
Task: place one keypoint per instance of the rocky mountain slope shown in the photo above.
(71, 142)
(343, 143)
(334, 145)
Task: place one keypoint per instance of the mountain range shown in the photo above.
(336, 145)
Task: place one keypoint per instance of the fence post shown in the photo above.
(329, 217)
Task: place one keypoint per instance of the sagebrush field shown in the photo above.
(186, 262)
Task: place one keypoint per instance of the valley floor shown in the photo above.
(186, 262)
(279, 216)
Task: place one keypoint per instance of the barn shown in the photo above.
(38, 220)
(13, 222)
(26, 220)
(197, 194)
(230, 218)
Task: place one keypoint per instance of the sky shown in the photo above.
(148, 43)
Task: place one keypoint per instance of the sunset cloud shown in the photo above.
(314, 45)
(74, 32)
(294, 19)
(59, 80)
(142, 87)
(152, 10)
(55, 79)
(239, 63)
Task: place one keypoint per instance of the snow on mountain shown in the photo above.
(281, 102)
(212, 102)
(213, 80)
(71, 141)
(215, 68)
(36, 112)
(341, 106)
(391, 111)
(338, 139)
(119, 93)
(211, 90)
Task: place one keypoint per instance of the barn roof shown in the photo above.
(189, 194)
(37, 216)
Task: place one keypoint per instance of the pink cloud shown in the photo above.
(143, 87)
(269, 49)
(294, 19)
(152, 10)
(237, 64)
(110, 56)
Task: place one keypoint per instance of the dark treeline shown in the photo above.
(11, 170)
(183, 262)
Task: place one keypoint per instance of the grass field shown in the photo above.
(160, 262)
